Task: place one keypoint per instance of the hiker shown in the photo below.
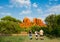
(36, 34)
(30, 34)
(41, 34)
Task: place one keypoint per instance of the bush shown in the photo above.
(9, 27)
(35, 28)
(53, 25)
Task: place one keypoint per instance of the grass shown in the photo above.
(11, 39)
(46, 39)
(26, 39)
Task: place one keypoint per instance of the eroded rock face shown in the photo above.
(28, 23)
(38, 22)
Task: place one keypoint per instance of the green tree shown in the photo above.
(9, 27)
(53, 24)
(9, 18)
(35, 28)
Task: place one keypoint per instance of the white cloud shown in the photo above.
(11, 6)
(47, 5)
(54, 9)
(39, 11)
(8, 13)
(51, 2)
(35, 5)
(4, 14)
(25, 12)
(21, 3)
(1, 7)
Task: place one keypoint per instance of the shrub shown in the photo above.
(9, 27)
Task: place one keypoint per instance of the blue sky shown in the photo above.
(29, 8)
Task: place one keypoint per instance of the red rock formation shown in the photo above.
(38, 22)
(35, 20)
(27, 22)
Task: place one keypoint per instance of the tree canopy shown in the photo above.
(9, 18)
(9, 25)
(53, 23)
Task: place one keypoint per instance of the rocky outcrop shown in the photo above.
(28, 23)
(38, 22)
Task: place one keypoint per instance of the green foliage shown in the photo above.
(45, 29)
(35, 28)
(9, 27)
(38, 28)
(9, 18)
(53, 24)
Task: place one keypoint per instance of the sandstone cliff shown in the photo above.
(28, 23)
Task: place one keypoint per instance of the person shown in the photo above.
(41, 34)
(30, 34)
(36, 34)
